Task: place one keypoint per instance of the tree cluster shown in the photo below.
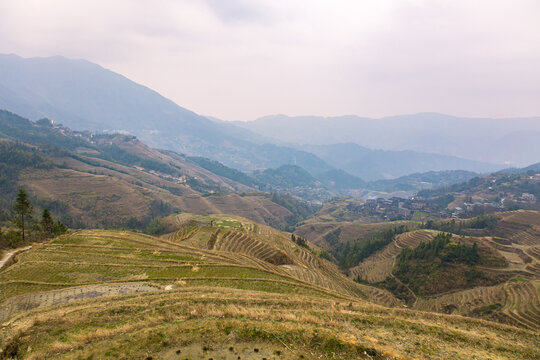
(300, 241)
(457, 227)
(438, 265)
(350, 254)
(300, 210)
(26, 227)
(440, 248)
(15, 157)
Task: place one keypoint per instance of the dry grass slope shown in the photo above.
(99, 294)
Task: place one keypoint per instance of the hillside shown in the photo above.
(496, 192)
(421, 181)
(204, 292)
(263, 243)
(294, 180)
(329, 234)
(479, 195)
(499, 281)
(110, 180)
(326, 186)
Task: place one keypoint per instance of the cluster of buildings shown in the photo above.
(404, 209)
(396, 208)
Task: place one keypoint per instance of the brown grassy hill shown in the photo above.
(516, 302)
(111, 198)
(187, 168)
(106, 180)
(328, 234)
(109, 294)
(271, 247)
(99, 192)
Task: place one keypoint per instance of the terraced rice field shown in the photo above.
(208, 322)
(36, 300)
(102, 263)
(525, 238)
(109, 294)
(241, 242)
(463, 302)
(272, 250)
(184, 233)
(520, 227)
(101, 256)
(529, 218)
(379, 266)
(515, 302)
(522, 304)
(534, 251)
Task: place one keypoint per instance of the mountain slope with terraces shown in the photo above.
(215, 288)
(503, 286)
(379, 266)
(269, 248)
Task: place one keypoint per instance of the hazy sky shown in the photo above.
(239, 59)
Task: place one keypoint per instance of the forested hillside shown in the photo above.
(115, 180)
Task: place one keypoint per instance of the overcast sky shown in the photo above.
(239, 59)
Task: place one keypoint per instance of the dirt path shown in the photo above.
(7, 256)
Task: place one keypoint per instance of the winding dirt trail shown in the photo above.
(7, 256)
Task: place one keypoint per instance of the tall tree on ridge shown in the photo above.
(22, 209)
(47, 224)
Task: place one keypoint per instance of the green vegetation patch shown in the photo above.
(234, 224)
(351, 254)
(442, 265)
(482, 222)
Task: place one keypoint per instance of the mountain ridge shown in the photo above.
(423, 132)
(86, 96)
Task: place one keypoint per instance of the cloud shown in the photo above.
(242, 59)
(241, 11)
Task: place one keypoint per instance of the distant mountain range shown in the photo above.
(380, 164)
(515, 142)
(85, 96)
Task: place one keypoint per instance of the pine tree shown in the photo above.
(59, 228)
(22, 210)
(47, 224)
